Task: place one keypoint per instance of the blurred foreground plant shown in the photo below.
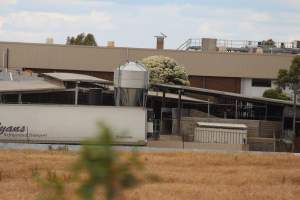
(53, 186)
(98, 166)
(103, 166)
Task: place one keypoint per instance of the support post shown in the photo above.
(208, 108)
(274, 138)
(163, 105)
(266, 112)
(236, 109)
(118, 92)
(19, 98)
(163, 100)
(294, 117)
(76, 94)
(179, 112)
(179, 117)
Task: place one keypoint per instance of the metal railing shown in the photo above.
(220, 136)
(244, 46)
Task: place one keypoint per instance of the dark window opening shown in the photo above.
(261, 83)
(288, 125)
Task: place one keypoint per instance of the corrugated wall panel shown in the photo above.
(107, 59)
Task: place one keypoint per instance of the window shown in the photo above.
(261, 83)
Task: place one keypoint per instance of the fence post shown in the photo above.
(27, 134)
(274, 138)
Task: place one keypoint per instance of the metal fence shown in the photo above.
(220, 136)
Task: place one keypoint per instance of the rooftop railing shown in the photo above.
(246, 46)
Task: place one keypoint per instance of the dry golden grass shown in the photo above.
(183, 175)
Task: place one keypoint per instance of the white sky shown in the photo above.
(134, 23)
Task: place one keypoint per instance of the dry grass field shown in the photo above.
(209, 176)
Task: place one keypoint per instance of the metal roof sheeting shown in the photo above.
(221, 93)
(29, 86)
(175, 96)
(221, 125)
(72, 77)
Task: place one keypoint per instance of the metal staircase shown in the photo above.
(191, 44)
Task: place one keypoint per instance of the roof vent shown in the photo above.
(160, 41)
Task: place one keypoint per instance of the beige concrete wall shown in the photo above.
(106, 59)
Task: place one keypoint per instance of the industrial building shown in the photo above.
(236, 120)
(226, 87)
(212, 64)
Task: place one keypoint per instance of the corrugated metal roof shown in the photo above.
(75, 77)
(175, 96)
(29, 86)
(221, 93)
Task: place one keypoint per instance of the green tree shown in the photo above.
(268, 43)
(82, 39)
(90, 40)
(291, 79)
(166, 70)
(276, 93)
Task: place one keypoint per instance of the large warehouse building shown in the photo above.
(245, 73)
(225, 86)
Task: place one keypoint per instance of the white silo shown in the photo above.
(131, 82)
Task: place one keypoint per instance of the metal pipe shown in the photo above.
(127, 54)
(7, 59)
(10, 76)
(3, 60)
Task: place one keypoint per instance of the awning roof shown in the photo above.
(175, 96)
(221, 93)
(221, 125)
(72, 77)
(29, 86)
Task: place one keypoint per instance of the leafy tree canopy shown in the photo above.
(166, 70)
(275, 94)
(82, 39)
(267, 43)
(290, 78)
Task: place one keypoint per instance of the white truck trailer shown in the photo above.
(70, 124)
